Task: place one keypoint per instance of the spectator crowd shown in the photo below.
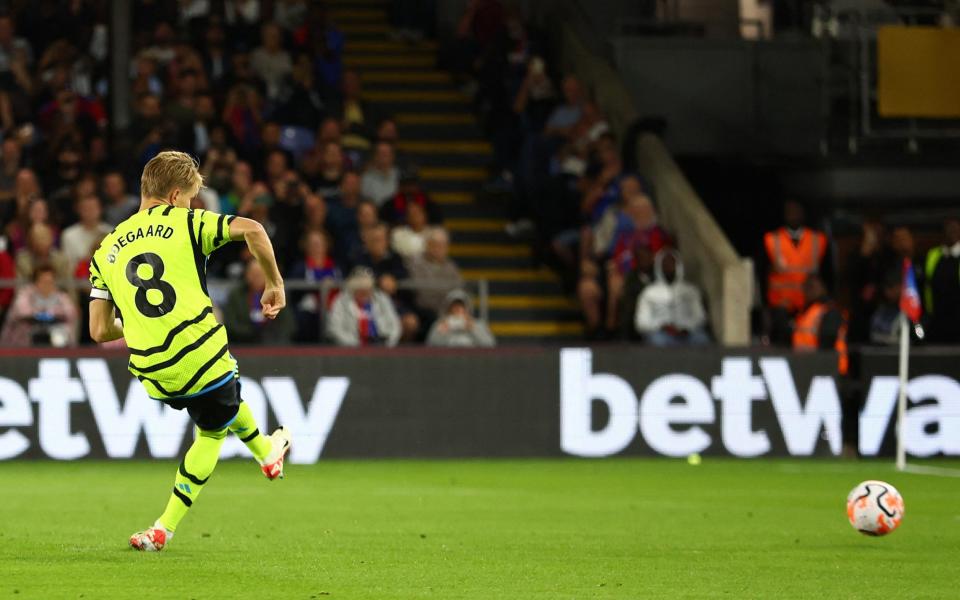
(258, 91)
(589, 215)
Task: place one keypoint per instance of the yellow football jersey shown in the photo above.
(153, 268)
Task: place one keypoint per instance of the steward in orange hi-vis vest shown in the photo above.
(822, 324)
(791, 262)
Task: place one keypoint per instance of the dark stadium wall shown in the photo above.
(585, 402)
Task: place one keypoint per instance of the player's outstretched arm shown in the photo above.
(104, 325)
(258, 242)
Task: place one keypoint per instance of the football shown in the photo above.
(874, 508)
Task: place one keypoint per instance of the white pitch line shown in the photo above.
(937, 471)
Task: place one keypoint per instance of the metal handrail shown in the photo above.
(479, 287)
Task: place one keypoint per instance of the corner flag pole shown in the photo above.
(902, 397)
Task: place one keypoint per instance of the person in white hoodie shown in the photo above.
(670, 310)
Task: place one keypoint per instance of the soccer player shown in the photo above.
(151, 271)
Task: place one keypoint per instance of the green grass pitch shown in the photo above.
(551, 529)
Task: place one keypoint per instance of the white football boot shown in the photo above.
(152, 539)
(272, 465)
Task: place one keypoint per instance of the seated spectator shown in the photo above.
(301, 105)
(376, 255)
(75, 240)
(40, 251)
(670, 311)
(11, 157)
(387, 131)
(242, 114)
(409, 192)
(821, 324)
(941, 276)
(634, 282)
(26, 189)
(317, 266)
(363, 315)
(342, 217)
(240, 194)
(410, 240)
(119, 204)
(434, 275)
(8, 270)
(244, 318)
(609, 224)
(41, 314)
(333, 164)
(588, 129)
(276, 169)
(30, 213)
(145, 78)
(637, 228)
(357, 117)
(321, 38)
(457, 328)
(219, 161)
(381, 178)
(563, 120)
(270, 61)
(329, 131)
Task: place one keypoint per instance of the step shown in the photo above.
(523, 275)
(390, 46)
(499, 315)
(452, 197)
(368, 77)
(476, 225)
(459, 174)
(464, 118)
(445, 147)
(519, 302)
(474, 210)
(416, 97)
(490, 250)
(453, 133)
(476, 237)
(490, 263)
(536, 328)
(410, 61)
(438, 159)
(363, 28)
(353, 3)
(344, 14)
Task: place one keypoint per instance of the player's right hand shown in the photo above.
(272, 300)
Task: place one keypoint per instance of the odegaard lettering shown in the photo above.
(160, 231)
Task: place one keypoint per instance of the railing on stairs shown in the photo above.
(713, 264)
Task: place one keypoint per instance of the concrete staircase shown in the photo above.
(440, 135)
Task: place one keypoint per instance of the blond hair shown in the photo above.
(168, 171)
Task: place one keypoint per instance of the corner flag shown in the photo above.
(909, 294)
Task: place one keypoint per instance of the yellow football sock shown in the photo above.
(197, 466)
(244, 426)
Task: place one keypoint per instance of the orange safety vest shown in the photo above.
(806, 333)
(790, 264)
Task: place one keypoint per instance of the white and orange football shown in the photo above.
(874, 508)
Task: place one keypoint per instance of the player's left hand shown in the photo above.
(272, 300)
